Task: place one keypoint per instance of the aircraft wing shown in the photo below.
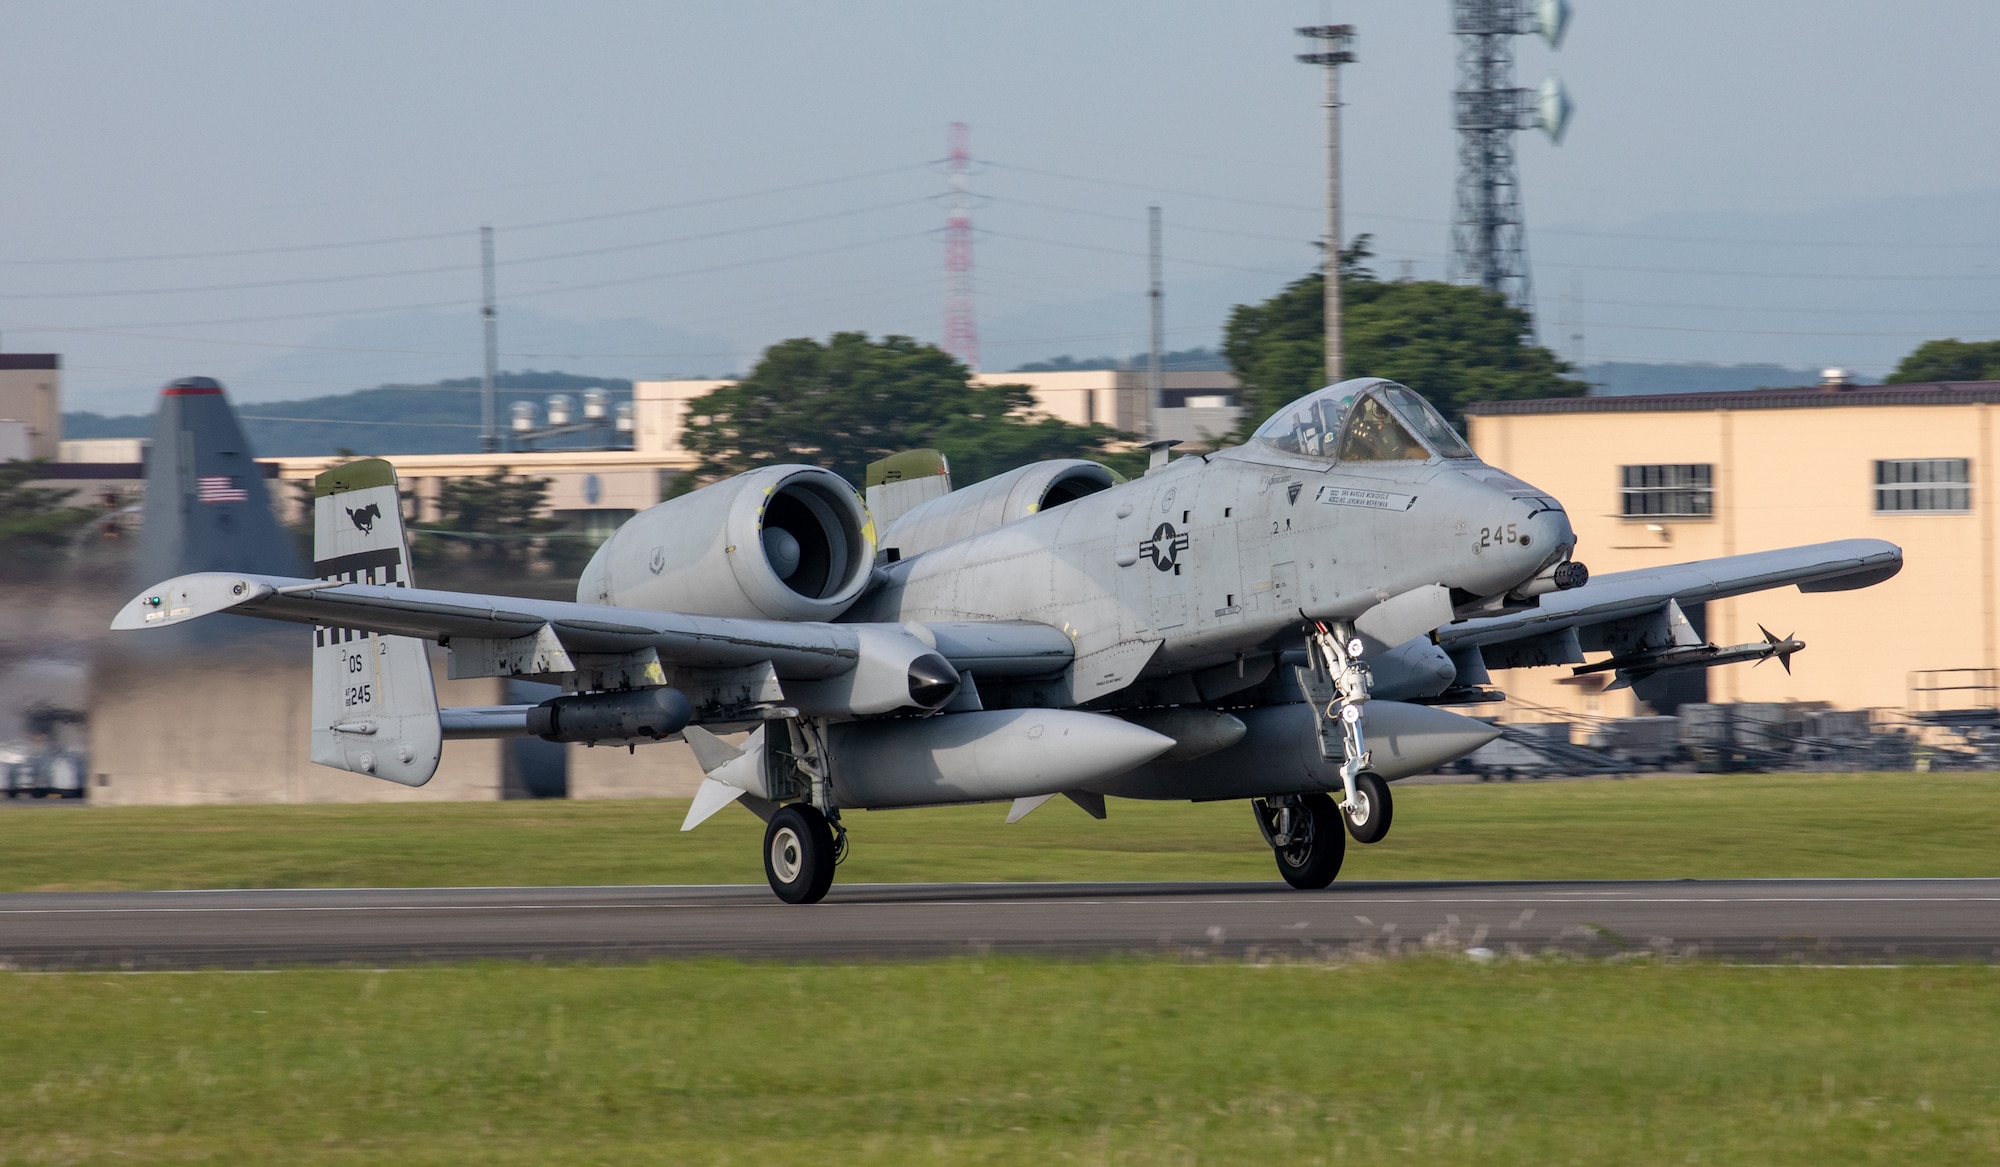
(802, 651)
(1626, 595)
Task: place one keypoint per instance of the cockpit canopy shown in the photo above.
(1367, 420)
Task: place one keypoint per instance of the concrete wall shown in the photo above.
(666, 770)
(1782, 477)
(235, 728)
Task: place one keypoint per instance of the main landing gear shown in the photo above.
(1308, 832)
(800, 852)
(1305, 832)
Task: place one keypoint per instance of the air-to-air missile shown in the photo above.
(1638, 666)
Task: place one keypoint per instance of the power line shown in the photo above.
(525, 260)
(654, 209)
(1127, 254)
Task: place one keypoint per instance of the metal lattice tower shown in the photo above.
(961, 326)
(1488, 240)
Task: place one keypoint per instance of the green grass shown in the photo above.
(1710, 827)
(1007, 1061)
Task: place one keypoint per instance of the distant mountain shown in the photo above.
(419, 348)
(1193, 360)
(1625, 378)
(439, 418)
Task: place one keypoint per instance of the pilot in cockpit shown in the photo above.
(1377, 422)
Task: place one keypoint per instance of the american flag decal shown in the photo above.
(219, 488)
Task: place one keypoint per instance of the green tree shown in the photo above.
(1950, 360)
(852, 400)
(493, 518)
(1453, 344)
(35, 522)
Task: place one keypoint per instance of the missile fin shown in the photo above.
(1023, 807)
(1091, 801)
(712, 796)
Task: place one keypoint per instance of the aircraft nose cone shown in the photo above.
(1552, 529)
(932, 681)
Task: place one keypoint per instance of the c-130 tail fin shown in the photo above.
(374, 706)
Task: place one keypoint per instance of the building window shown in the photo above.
(1923, 485)
(1678, 490)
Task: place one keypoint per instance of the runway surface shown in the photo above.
(1839, 921)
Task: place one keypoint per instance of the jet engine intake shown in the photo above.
(995, 502)
(611, 717)
(780, 543)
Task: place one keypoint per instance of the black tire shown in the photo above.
(1375, 808)
(1312, 856)
(798, 854)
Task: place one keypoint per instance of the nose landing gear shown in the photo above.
(1305, 833)
(1369, 809)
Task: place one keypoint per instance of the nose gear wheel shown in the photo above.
(1369, 810)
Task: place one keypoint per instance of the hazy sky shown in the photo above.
(676, 185)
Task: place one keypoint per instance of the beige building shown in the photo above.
(597, 488)
(1664, 479)
(31, 397)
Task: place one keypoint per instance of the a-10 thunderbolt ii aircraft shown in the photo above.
(1281, 622)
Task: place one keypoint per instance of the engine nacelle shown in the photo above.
(995, 502)
(780, 543)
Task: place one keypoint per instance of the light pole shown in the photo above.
(1337, 38)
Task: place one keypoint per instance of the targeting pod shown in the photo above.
(611, 717)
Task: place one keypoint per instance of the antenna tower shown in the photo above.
(1156, 377)
(1339, 42)
(1488, 240)
(961, 327)
(489, 437)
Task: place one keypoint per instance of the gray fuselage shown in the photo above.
(1228, 554)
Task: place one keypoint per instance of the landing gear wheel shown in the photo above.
(799, 854)
(1305, 834)
(1369, 813)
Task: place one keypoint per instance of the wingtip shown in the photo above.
(187, 597)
